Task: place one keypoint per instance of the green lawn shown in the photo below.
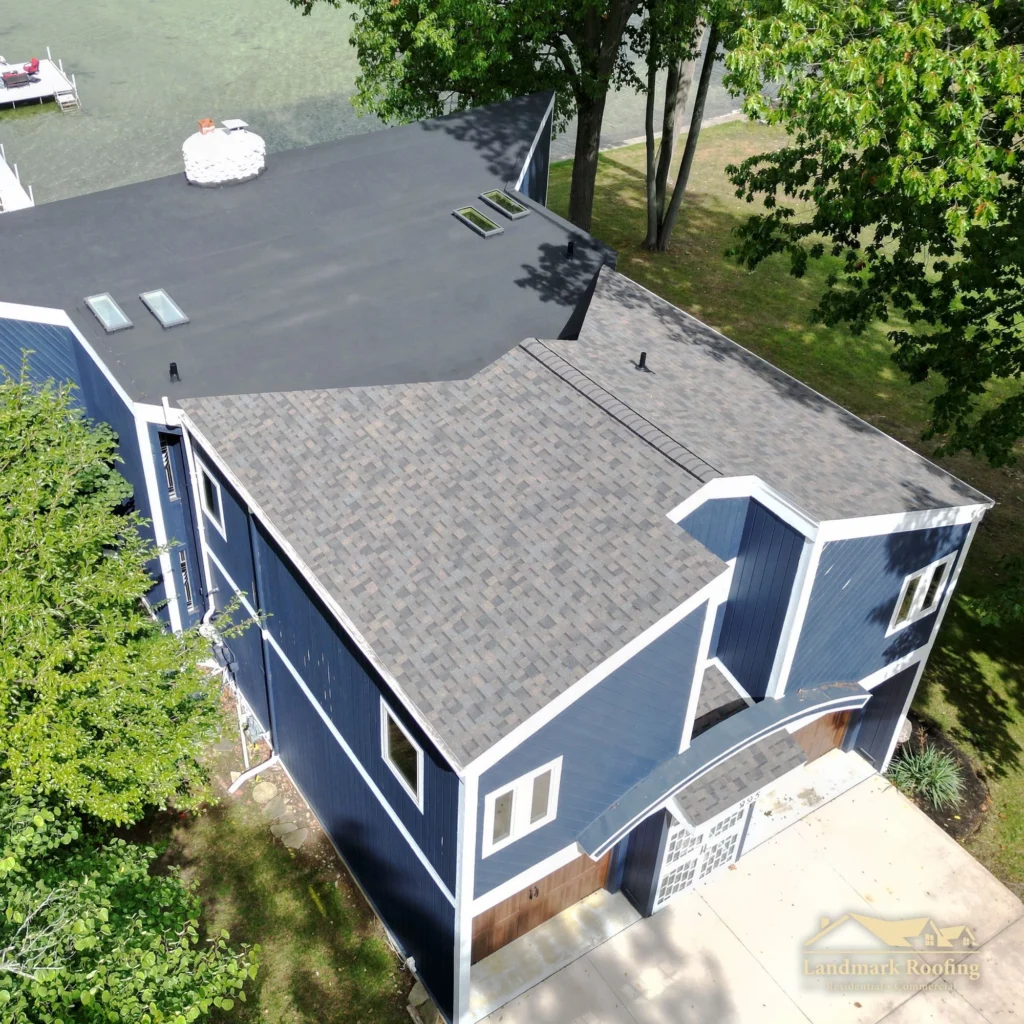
(323, 957)
(974, 685)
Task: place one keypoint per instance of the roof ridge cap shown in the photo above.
(648, 431)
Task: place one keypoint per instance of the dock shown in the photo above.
(13, 195)
(50, 82)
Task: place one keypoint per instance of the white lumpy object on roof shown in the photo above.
(222, 157)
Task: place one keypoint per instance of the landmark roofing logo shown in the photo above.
(914, 949)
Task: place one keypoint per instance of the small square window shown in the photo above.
(212, 500)
(403, 755)
(921, 593)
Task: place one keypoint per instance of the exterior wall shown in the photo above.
(718, 525)
(609, 739)
(871, 733)
(762, 583)
(643, 861)
(535, 180)
(54, 350)
(855, 590)
(179, 521)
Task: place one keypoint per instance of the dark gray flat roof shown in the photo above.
(341, 265)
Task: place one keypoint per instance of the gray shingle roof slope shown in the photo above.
(740, 776)
(742, 416)
(492, 539)
(342, 265)
(716, 702)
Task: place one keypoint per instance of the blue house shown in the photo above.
(556, 579)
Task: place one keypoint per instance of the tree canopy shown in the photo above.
(101, 707)
(905, 124)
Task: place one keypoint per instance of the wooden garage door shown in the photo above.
(537, 903)
(823, 734)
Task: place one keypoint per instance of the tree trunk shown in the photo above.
(584, 165)
(671, 215)
(654, 201)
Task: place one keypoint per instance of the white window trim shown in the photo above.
(522, 796)
(386, 715)
(218, 521)
(917, 609)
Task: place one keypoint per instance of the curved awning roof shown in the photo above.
(711, 749)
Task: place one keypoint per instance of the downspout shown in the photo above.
(252, 772)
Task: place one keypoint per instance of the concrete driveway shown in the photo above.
(733, 950)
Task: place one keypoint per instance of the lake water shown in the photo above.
(147, 70)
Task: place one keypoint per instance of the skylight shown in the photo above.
(110, 315)
(482, 225)
(504, 204)
(164, 308)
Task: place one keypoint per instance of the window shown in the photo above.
(521, 807)
(164, 308)
(506, 204)
(185, 581)
(921, 593)
(165, 458)
(403, 755)
(210, 495)
(473, 218)
(110, 315)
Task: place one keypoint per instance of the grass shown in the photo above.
(974, 685)
(27, 110)
(323, 956)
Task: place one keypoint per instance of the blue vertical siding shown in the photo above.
(643, 859)
(535, 180)
(609, 739)
(856, 588)
(716, 631)
(348, 689)
(401, 890)
(54, 351)
(877, 720)
(718, 525)
(762, 583)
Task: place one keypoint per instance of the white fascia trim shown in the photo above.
(339, 739)
(159, 526)
(732, 680)
(387, 715)
(66, 321)
(158, 414)
(35, 314)
(533, 145)
(346, 623)
(803, 587)
(901, 522)
(465, 858)
(702, 656)
(555, 707)
(525, 878)
(796, 609)
(749, 487)
(894, 668)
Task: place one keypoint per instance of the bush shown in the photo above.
(929, 773)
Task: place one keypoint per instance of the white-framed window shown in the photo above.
(521, 807)
(186, 580)
(402, 754)
(921, 593)
(212, 499)
(165, 459)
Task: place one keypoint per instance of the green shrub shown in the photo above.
(931, 774)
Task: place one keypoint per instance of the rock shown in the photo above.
(430, 1014)
(275, 808)
(264, 792)
(293, 840)
(905, 732)
(235, 776)
(283, 829)
(418, 995)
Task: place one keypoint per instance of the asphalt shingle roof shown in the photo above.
(492, 539)
(742, 416)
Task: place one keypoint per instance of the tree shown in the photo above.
(101, 707)
(423, 58)
(905, 124)
(89, 934)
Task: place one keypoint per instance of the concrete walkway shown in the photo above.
(733, 950)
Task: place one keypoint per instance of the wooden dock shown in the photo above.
(13, 195)
(50, 82)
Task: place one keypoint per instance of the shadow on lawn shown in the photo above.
(322, 958)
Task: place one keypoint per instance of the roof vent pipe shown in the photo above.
(174, 373)
(570, 249)
(642, 365)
